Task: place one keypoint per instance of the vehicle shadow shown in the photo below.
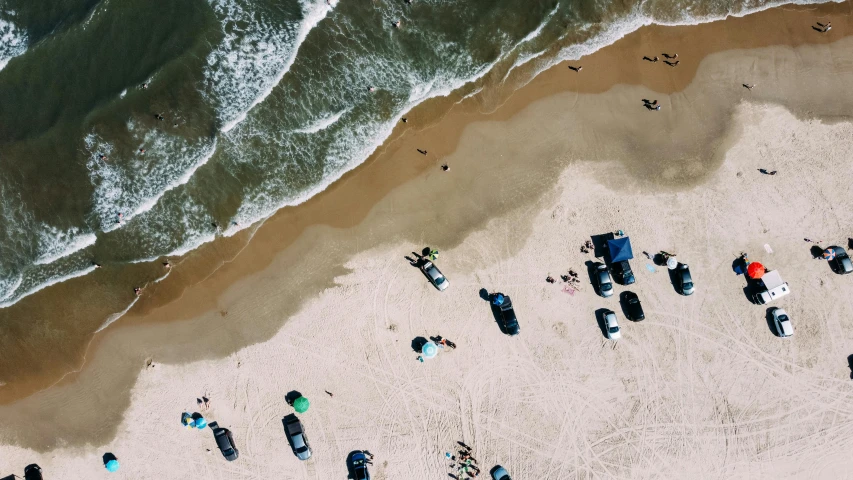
(752, 287)
(10, 477)
(418, 344)
(496, 314)
(292, 396)
(850, 365)
(284, 421)
(771, 325)
(673, 276)
(599, 317)
(591, 268)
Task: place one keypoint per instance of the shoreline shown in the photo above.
(394, 164)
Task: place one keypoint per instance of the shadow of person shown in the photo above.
(816, 251)
(484, 294)
(818, 29)
(418, 344)
(292, 396)
(416, 262)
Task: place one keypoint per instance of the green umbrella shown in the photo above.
(301, 404)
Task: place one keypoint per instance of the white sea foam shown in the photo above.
(13, 42)
(55, 243)
(8, 286)
(192, 244)
(322, 123)
(112, 318)
(41, 286)
(132, 187)
(254, 55)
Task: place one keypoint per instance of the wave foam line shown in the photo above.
(322, 123)
(13, 42)
(149, 203)
(59, 249)
(313, 15)
(112, 318)
(42, 286)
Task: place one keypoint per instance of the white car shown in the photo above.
(783, 323)
(611, 326)
(435, 276)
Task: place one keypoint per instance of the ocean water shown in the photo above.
(136, 130)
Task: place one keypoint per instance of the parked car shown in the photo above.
(633, 308)
(683, 280)
(296, 437)
(770, 287)
(623, 273)
(611, 326)
(435, 276)
(359, 467)
(500, 473)
(32, 472)
(225, 442)
(505, 314)
(783, 323)
(605, 283)
(841, 264)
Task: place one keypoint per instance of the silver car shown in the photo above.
(783, 323)
(611, 326)
(435, 276)
(605, 283)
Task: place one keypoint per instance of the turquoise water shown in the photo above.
(241, 107)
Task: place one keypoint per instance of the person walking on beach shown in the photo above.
(445, 167)
(576, 69)
(748, 86)
(670, 57)
(422, 152)
(329, 393)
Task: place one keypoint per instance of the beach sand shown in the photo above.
(701, 388)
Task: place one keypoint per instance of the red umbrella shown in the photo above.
(755, 270)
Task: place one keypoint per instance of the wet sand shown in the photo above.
(400, 200)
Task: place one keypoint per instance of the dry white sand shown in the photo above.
(701, 389)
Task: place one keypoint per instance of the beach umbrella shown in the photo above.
(301, 404)
(429, 350)
(755, 270)
(498, 299)
(671, 263)
(200, 423)
(829, 254)
(112, 465)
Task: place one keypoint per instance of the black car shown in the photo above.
(225, 442)
(632, 306)
(359, 467)
(296, 437)
(32, 472)
(623, 273)
(683, 280)
(504, 313)
(841, 264)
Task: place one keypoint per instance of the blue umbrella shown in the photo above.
(112, 465)
(499, 299)
(429, 350)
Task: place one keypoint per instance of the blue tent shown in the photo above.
(620, 249)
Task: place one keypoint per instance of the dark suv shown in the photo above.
(296, 437)
(225, 442)
(505, 313)
(623, 273)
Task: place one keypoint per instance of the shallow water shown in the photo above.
(263, 104)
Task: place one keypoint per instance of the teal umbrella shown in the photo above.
(112, 465)
(301, 404)
(429, 350)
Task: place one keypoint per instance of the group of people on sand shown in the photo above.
(571, 277)
(670, 59)
(465, 465)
